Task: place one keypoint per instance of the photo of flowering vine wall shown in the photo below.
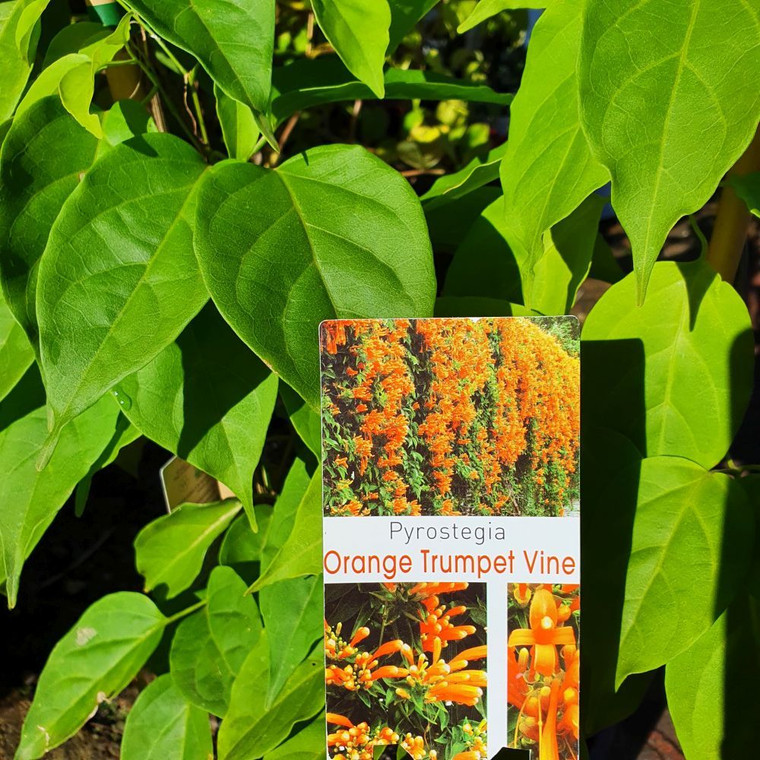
(450, 417)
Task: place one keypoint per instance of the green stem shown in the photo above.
(197, 105)
(187, 611)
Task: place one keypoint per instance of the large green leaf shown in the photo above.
(118, 280)
(163, 725)
(707, 686)
(30, 499)
(668, 112)
(306, 83)
(94, 661)
(234, 41)
(292, 611)
(42, 160)
(307, 254)
(209, 400)
(548, 168)
(359, 33)
(16, 354)
(170, 550)
(690, 345)
(692, 539)
(301, 553)
(19, 32)
(209, 646)
(485, 9)
(307, 744)
(256, 724)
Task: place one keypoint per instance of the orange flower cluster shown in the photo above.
(357, 742)
(542, 682)
(407, 678)
(448, 416)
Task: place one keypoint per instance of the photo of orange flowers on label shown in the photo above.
(450, 416)
(406, 668)
(543, 664)
(451, 537)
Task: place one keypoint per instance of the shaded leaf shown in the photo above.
(692, 529)
(485, 9)
(170, 550)
(234, 41)
(667, 119)
(16, 355)
(209, 646)
(207, 399)
(311, 82)
(239, 128)
(310, 252)
(304, 419)
(255, 725)
(475, 306)
(119, 258)
(163, 725)
(404, 17)
(711, 717)
(359, 33)
(301, 553)
(30, 499)
(94, 661)
(292, 610)
(696, 364)
(307, 744)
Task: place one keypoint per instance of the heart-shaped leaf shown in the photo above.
(119, 259)
(668, 119)
(690, 344)
(309, 254)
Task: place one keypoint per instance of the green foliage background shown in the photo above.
(187, 190)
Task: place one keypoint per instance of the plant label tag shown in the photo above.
(451, 503)
(182, 483)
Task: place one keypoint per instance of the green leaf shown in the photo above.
(94, 661)
(307, 744)
(301, 552)
(548, 168)
(170, 550)
(667, 119)
(119, 258)
(16, 355)
(707, 686)
(163, 725)
(693, 529)
(450, 221)
(72, 77)
(404, 17)
(72, 38)
(485, 9)
(303, 418)
(359, 33)
(233, 41)
(240, 545)
(209, 646)
(690, 345)
(239, 128)
(306, 83)
(479, 171)
(483, 264)
(310, 253)
(19, 32)
(30, 499)
(124, 120)
(565, 263)
(748, 189)
(42, 160)
(208, 400)
(255, 725)
(293, 612)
